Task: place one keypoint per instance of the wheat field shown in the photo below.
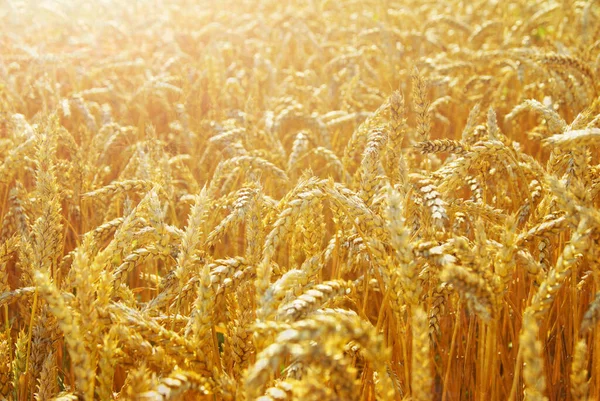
(299, 200)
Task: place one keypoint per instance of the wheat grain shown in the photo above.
(299, 200)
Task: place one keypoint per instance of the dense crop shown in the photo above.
(303, 200)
